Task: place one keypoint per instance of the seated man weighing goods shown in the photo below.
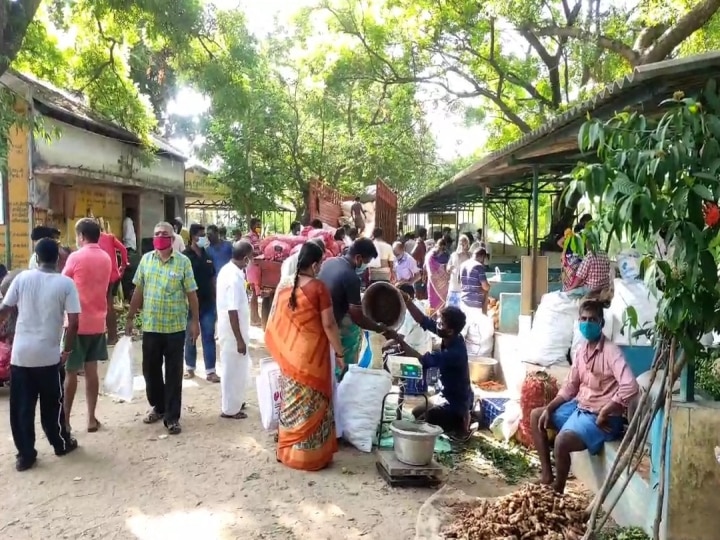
(452, 415)
(588, 410)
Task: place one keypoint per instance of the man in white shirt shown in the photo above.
(381, 267)
(129, 237)
(42, 297)
(233, 310)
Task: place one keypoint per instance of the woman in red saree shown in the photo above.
(438, 275)
(300, 332)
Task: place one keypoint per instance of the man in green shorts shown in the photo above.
(90, 269)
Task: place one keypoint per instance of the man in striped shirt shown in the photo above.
(473, 280)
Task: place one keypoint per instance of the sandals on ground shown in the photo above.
(239, 416)
(174, 428)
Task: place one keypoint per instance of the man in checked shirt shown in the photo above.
(164, 289)
(588, 410)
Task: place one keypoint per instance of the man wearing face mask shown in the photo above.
(234, 330)
(341, 276)
(588, 410)
(453, 414)
(204, 273)
(164, 286)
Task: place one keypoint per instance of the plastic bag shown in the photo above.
(119, 377)
(628, 261)
(507, 423)
(268, 391)
(359, 403)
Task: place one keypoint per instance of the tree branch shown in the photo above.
(687, 25)
(614, 45)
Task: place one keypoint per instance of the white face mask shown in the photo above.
(203, 242)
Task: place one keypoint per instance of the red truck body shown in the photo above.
(325, 203)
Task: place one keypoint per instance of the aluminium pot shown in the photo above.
(414, 442)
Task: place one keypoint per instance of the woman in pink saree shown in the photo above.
(438, 275)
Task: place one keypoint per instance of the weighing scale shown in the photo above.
(409, 371)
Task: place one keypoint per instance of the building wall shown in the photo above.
(77, 148)
(18, 198)
(693, 495)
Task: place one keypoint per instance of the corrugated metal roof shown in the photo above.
(667, 70)
(56, 100)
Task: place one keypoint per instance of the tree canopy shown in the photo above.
(343, 91)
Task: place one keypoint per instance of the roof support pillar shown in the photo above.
(535, 197)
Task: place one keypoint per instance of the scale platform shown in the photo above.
(399, 474)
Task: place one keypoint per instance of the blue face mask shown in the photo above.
(590, 330)
(203, 242)
(361, 269)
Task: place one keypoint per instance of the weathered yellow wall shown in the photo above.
(18, 197)
(694, 490)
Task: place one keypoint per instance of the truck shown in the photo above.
(325, 203)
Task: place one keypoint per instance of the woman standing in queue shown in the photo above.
(438, 276)
(300, 331)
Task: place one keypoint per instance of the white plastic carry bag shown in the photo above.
(359, 404)
(268, 391)
(119, 377)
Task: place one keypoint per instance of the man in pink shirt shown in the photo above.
(91, 270)
(588, 410)
(112, 246)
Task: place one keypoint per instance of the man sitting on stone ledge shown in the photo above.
(588, 410)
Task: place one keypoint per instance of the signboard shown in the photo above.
(199, 184)
(443, 219)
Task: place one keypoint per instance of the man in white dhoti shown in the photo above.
(233, 311)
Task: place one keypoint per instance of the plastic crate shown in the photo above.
(490, 409)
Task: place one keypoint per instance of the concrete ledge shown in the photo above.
(637, 504)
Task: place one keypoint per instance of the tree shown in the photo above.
(279, 119)
(122, 57)
(514, 64)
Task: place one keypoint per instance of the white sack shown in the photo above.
(637, 295)
(359, 404)
(119, 377)
(551, 335)
(479, 331)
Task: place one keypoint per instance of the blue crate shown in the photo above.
(490, 409)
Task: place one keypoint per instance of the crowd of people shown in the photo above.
(194, 283)
(57, 321)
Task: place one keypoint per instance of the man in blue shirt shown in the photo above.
(453, 416)
(219, 250)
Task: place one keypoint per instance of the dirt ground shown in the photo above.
(217, 480)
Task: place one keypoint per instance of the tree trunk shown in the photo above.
(15, 16)
(563, 218)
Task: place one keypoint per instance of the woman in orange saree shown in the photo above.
(300, 332)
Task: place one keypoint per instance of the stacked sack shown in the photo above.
(538, 390)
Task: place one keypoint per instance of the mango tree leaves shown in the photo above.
(656, 177)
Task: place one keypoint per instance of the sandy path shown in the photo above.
(217, 480)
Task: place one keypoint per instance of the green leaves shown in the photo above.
(658, 176)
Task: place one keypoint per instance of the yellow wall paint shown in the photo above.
(18, 197)
(198, 182)
(99, 202)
